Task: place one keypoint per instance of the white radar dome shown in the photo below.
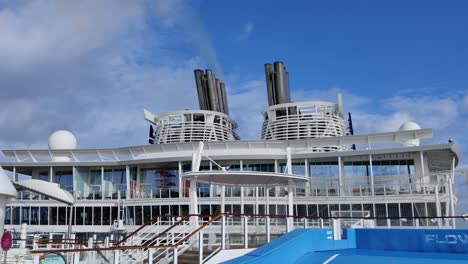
(62, 139)
(410, 125)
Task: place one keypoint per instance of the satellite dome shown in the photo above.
(62, 139)
(410, 125)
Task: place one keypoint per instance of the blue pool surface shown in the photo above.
(425, 246)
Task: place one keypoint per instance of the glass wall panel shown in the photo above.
(8, 216)
(114, 181)
(79, 213)
(298, 167)
(64, 179)
(146, 213)
(25, 215)
(114, 214)
(159, 182)
(106, 216)
(97, 216)
(252, 166)
(44, 175)
(53, 216)
(15, 215)
(62, 216)
(138, 215)
(34, 216)
(88, 216)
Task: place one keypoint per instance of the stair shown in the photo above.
(191, 255)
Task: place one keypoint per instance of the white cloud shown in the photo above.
(248, 29)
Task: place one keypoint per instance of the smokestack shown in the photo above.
(277, 80)
(269, 76)
(211, 90)
(224, 99)
(201, 89)
(282, 91)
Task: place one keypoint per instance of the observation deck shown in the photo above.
(192, 126)
(301, 120)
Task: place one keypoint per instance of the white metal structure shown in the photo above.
(304, 120)
(192, 126)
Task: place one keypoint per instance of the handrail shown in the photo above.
(198, 229)
(147, 223)
(166, 230)
(216, 217)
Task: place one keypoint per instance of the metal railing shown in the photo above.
(214, 233)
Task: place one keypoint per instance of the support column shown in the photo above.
(181, 185)
(223, 199)
(200, 247)
(193, 207)
(452, 198)
(51, 174)
(437, 203)
(340, 176)
(223, 232)
(371, 170)
(127, 180)
(103, 184)
(246, 231)
(150, 255)
(290, 220)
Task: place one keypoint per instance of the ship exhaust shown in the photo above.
(211, 92)
(277, 80)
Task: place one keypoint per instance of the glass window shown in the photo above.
(106, 216)
(62, 216)
(64, 179)
(138, 215)
(97, 215)
(8, 216)
(146, 213)
(267, 167)
(88, 215)
(25, 215)
(53, 217)
(34, 216)
(44, 176)
(16, 215)
(324, 169)
(298, 167)
(78, 216)
(114, 214)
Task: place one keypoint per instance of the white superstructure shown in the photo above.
(302, 166)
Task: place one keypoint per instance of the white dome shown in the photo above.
(410, 125)
(62, 139)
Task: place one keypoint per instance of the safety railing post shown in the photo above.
(305, 222)
(200, 247)
(116, 257)
(150, 255)
(175, 255)
(246, 233)
(267, 224)
(223, 232)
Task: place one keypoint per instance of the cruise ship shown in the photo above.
(307, 168)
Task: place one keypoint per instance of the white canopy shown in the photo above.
(6, 188)
(245, 178)
(49, 189)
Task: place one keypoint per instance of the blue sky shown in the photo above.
(91, 66)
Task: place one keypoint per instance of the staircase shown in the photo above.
(151, 234)
(191, 255)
